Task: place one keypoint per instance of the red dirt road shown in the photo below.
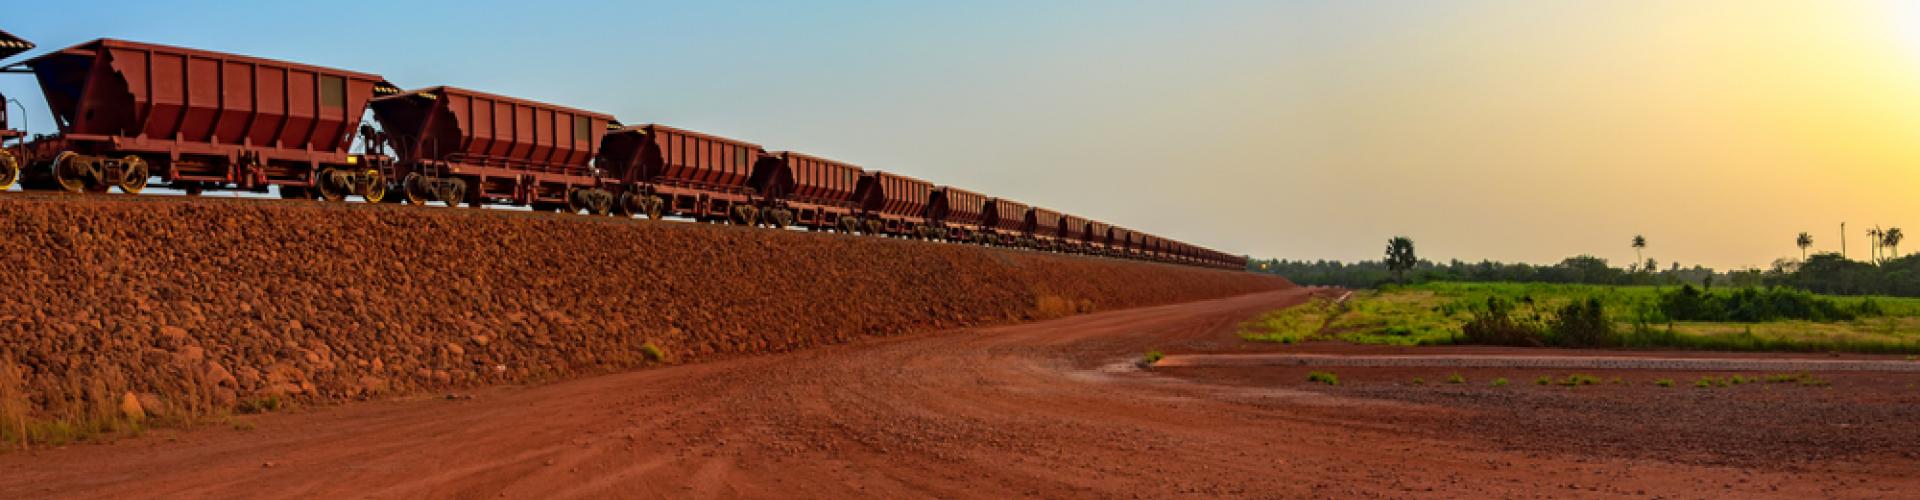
(1045, 409)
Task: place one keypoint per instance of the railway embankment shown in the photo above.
(119, 310)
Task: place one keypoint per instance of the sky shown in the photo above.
(1522, 130)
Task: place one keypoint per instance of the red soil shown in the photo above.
(1050, 409)
(193, 307)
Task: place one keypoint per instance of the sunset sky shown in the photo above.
(1524, 130)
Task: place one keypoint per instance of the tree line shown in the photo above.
(1583, 269)
(1887, 273)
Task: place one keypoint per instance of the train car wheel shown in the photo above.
(327, 187)
(656, 208)
(413, 188)
(65, 170)
(134, 177)
(373, 187)
(574, 202)
(741, 215)
(9, 170)
(626, 205)
(599, 203)
(781, 218)
(456, 192)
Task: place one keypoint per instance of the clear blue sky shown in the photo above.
(1506, 129)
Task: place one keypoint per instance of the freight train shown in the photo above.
(129, 113)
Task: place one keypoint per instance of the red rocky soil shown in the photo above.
(1049, 409)
(153, 307)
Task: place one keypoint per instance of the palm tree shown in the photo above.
(1805, 240)
(1873, 237)
(1639, 242)
(1892, 237)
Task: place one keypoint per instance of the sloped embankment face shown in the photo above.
(116, 308)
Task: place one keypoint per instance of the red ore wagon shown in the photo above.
(1131, 243)
(811, 191)
(1098, 237)
(893, 204)
(1073, 231)
(660, 170)
(10, 154)
(1043, 227)
(1005, 220)
(958, 213)
(456, 146)
(127, 111)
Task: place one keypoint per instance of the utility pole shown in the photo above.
(1843, 241)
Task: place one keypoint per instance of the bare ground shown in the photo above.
(1047, 409)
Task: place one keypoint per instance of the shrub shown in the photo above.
(1583, 323)
(1543, 380)
(1153, 356)
(1419, 381)
(1494, 325)
(652, 352)
(1665, 382)
(260, 405)
(1456, 379)
(1498, 382)
(1324, 377)
(1753, 305)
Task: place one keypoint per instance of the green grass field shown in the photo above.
(1434, 313)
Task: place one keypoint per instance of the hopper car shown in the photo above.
(958, 214)
(458, 146)
(813, 192)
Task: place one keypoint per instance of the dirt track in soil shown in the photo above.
(1045, 409)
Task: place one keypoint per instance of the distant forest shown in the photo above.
(1821, 273)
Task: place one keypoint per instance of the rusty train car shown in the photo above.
(129, 113)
